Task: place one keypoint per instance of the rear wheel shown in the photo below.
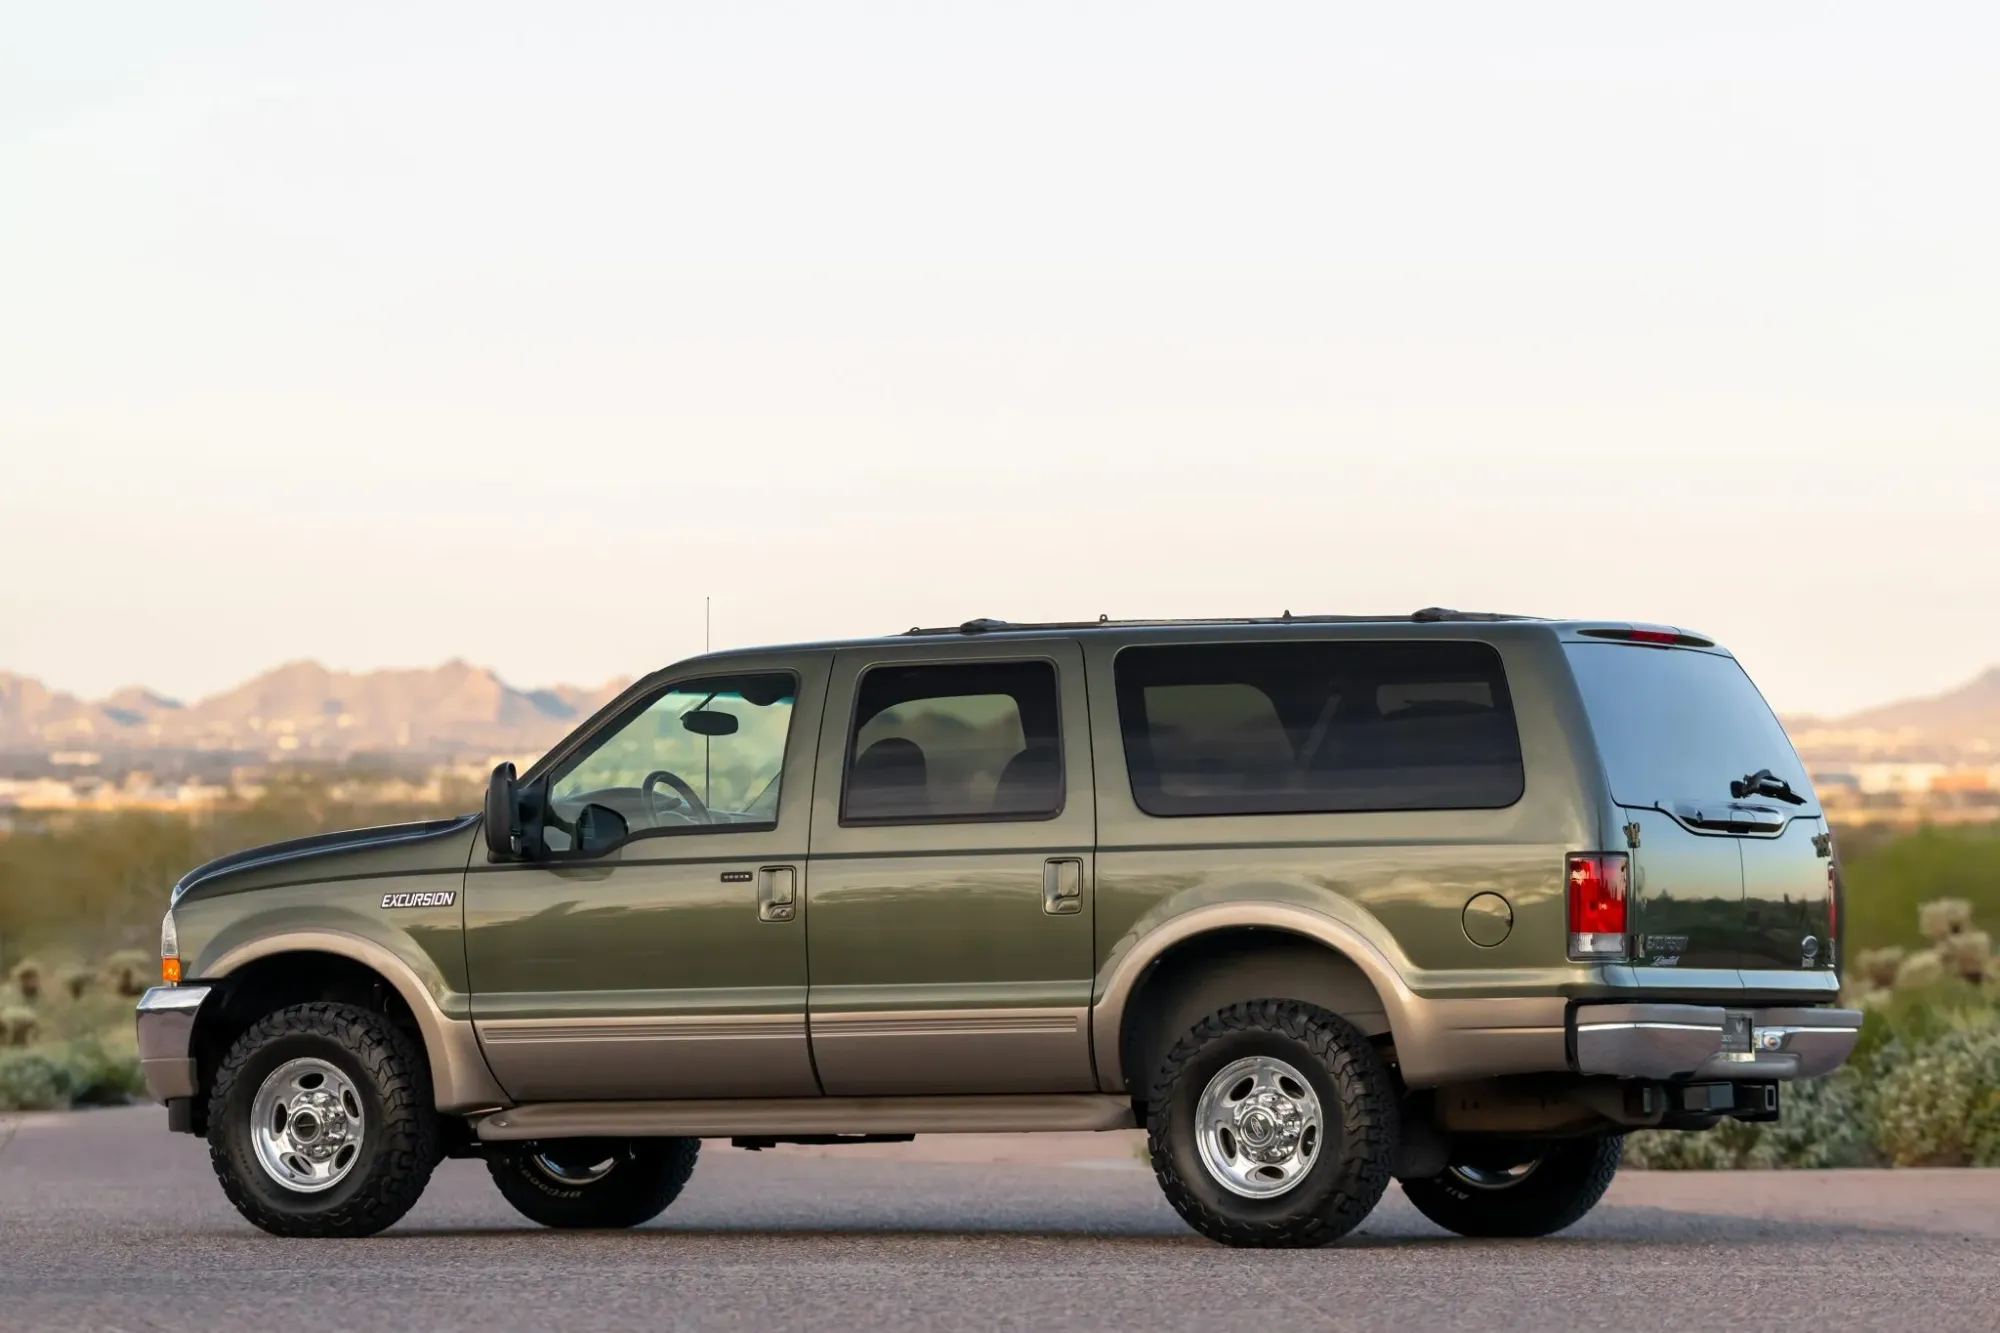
(1530, 1190)
(1271, 1123)
(593, 1183)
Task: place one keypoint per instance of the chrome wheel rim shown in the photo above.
(569, 1173)
(1494, 1177)
(1259, 1127)
(306, 1125)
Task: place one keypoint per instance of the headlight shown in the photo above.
(170, 950)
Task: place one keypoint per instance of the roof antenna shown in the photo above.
(1104, 617)
(1288, 613)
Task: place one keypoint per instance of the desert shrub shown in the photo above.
(1938, 1104)
(19, 1026)
(100, 1075)
(27, 979)
(33, 1081)
(129, 971)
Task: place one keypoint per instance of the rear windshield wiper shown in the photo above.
(1761, 783)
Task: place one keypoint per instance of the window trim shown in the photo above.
(580, 753)
(854, 724)
(1140, 796)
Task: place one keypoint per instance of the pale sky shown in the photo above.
(383, 335)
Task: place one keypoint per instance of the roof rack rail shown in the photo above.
(1428, 615)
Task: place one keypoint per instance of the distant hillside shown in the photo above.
(1960, 725)
(303, 710)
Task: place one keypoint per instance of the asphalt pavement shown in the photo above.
(109, 1222)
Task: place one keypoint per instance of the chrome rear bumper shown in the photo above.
(166, 1034)
(1669, 1041)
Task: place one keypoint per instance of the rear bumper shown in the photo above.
(1670, 1041)
(166, 1017)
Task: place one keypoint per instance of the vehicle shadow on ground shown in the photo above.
(1636, 1228)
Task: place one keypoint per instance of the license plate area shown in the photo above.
(1737, 1032)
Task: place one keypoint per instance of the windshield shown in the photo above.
(1675, 725)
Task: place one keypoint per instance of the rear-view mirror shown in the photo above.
(599, 828)
(705, 722)
(503, 815)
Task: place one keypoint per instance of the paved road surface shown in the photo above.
(108, 1222)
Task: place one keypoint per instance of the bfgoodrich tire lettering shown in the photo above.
(606, 1184)
(1350, 1169)
(399, 1145)
(1566, 1182)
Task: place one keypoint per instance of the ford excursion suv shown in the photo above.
(1317, 901)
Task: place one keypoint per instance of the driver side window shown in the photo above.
(705, 754)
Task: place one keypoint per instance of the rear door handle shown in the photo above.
(777, 893)
(1062, 886)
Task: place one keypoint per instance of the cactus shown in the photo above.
(27, 978)
(76, 982)
(1920, 969)
(1878, 966)
(1940, 920)
(1968, 954)
(127, 971)
(19, 1026)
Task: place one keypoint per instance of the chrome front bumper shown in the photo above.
(166, 1035)
(1671, 1041)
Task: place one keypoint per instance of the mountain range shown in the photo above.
(303, 709)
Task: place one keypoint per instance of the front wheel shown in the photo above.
(321, 1122)
(593, 1183)
(1529, 1191)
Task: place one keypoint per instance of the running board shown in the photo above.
(765, 1118)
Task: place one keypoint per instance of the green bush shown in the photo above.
(1939, 1103)
(85, 1072)
(33, 1081)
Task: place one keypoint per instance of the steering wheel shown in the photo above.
(696, 810)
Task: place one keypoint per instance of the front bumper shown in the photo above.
(1674, 1041)
(166, 1035)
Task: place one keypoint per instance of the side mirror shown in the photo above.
(703, 722)
(599, 828)
(503, 815)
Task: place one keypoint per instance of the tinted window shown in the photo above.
(648, 765)
(1269, 728)
(967, 742)
(1672, 724)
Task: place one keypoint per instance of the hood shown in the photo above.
(388, 849)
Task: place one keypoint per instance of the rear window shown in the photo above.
(1284, 728)
(1675, 725)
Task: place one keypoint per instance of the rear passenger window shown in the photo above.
(1275, 728)
(974, 741)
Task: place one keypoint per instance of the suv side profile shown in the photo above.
(1316, 901)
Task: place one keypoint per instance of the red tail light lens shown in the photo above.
(1597, 904)
(1832, 908)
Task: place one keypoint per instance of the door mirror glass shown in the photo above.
(599, 828)
(708, 722)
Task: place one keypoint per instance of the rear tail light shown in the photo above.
(170, 950)
(1832, 911)
(1597, 904)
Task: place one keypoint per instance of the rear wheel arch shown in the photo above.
(1201, 974)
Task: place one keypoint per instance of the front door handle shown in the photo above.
(777, 893)
(1062, 886)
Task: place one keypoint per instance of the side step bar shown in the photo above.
(724, 1118)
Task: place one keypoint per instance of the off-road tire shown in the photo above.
(649, 1176)
(1357, 1101)
(400, 1140)
(1567, 1183)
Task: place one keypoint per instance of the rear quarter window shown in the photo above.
(1326, 727)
